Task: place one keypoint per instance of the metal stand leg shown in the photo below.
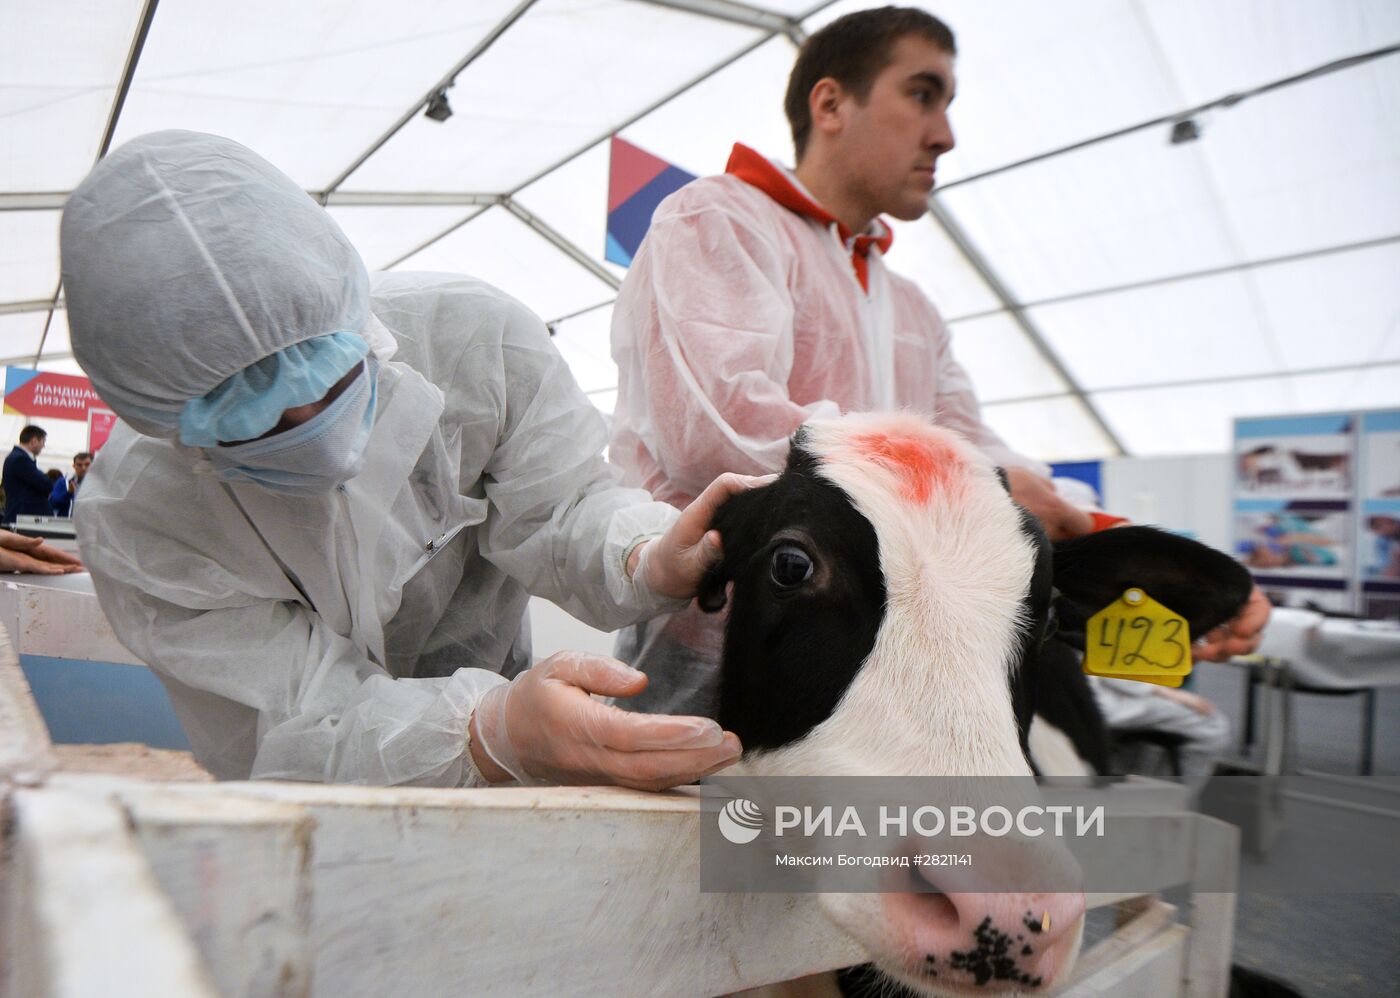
(1247, 737)
(1368, 731)
(1288, 748)
(1274, 753)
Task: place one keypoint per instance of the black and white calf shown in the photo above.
(888, 602)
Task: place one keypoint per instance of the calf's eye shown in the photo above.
(791, 566)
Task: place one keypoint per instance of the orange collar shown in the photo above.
(757, 171)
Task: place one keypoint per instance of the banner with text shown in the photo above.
(49, 395)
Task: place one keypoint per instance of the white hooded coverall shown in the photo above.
(343, 637)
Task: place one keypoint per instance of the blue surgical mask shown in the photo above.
(315, 457)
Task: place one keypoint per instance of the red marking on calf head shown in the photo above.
(922, 463)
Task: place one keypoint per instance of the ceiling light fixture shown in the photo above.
(1185, 130)
(438, 109)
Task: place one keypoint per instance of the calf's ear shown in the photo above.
(740, 511)
(1204, 585)
(714, 590)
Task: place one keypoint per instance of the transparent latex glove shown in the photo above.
(543, 727)
(1240, 635)
(673, 564)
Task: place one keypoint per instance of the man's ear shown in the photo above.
(824, 105)
(1204, 585)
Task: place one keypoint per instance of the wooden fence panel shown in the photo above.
(83, 912)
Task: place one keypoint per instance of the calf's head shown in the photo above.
(887, 604)
(881, 600)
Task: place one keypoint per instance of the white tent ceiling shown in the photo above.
(1128, 295)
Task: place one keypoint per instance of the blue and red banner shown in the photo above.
(637, 183)
(48, 395)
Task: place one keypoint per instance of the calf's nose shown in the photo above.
(954, 939)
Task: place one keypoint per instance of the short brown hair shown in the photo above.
(852, 50)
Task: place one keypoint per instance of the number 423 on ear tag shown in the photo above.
(1135, 637)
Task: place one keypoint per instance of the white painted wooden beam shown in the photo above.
(1151, 969)
(59, 616)
(82, 912)
(527, 892)
(238, 872)
(26, 754)
(1098, 965)
(1214, 861)
(545, 891)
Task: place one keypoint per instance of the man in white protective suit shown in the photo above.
(330, 496)
(760, 299)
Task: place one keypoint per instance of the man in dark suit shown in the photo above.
(26, 487)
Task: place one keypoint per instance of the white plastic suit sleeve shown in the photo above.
(1108, 691)
(725, 322)
(560, 523)
(339, 719)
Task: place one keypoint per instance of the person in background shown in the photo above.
(1128, 705)
(26, 487)
(65, 491)
(328, 496)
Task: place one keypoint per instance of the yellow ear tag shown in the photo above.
(1135, 637)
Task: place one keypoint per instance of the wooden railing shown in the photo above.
(113, 886)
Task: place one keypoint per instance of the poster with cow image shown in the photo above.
(1294, 513)
(1380, 456)
(1378, 522)
(1295, 456)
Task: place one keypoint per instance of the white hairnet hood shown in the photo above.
(188, 257)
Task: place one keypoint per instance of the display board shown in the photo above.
(99, 423)
(1317, 509)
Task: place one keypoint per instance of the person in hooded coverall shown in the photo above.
(760, 299)
(328, 498)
